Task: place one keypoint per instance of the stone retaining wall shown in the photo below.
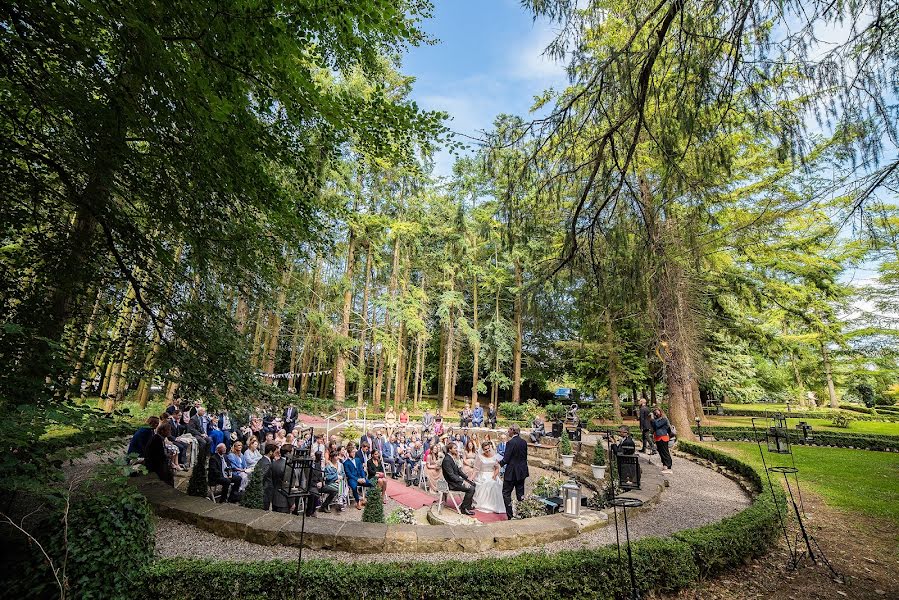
(270, 528)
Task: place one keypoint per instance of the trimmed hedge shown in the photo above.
(840, 439)
(662, 565)
(804, 414)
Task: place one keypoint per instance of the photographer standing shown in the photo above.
(662, 435)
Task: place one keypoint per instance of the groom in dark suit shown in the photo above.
(456, 479)
(515, 460)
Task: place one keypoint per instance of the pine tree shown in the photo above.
(374, 507)
(199, 480)
(252, 496)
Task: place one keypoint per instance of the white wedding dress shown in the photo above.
(488, 495)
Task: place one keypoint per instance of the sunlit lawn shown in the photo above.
(825, 424)
(857, 480)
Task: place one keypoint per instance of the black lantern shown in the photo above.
(295, 479)
(776, 436)
(699, 428)
(806, 431)
(624, 503)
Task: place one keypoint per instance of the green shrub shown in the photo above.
(547, 487)
(565, 443)
(252, 495)
(840, 420)
(402, 515)
(599, 454)
(530, 507)
(840, 439)
(555, 412)
(350, 433)
(859, 409)
(199, 479)
(374, 506)
(511, 411)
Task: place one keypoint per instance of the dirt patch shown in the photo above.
(865, 551)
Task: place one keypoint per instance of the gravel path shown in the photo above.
(696, 496)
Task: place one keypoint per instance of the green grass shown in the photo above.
(855, 480)
(825, 424)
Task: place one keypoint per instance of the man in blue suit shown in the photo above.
(477, 415)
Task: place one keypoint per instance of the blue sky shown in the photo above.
(488, 61)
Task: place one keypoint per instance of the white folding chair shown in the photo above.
(444, 492)
(423, 476)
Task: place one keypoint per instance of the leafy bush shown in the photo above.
(555, 412)
(402, 515)
(859, 409)
(840, 420)
(599, 454)
(252, 495)
(350, 433)
(841, 439)
(529, 508)
(565, 443)
(530, 410)
(511, 411)
(199, 478)
(374, 506)
(600, 412)
(547, 487)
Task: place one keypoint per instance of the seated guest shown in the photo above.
(176, 448)
(457, 480)
(156, 458)
(477, 415)
(465, 417)
(438, 424)
(280, 502)
(256, 428)
(427, 422)
(356, 475)
(334, 480)
(433, 467)
(389, 450)
(364, 452)
(216, 436)
(404, 417)
(501, 446)
(491, 417)
(316, 484)
(538, 430)
(375, 470)
(319, 445)
(626, 444)
(142, 436)
(238, 464)
(390, 420)
(199, 426)
(218, 474)
(413, 458)
(252, 455)
(226, 426)
(269, 439)
(469, 457)
(172, 407)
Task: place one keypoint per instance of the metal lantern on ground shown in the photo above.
(294, 482)
(571, 497)
(776, 436)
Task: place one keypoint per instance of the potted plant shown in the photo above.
(599, 461)
(565, 449)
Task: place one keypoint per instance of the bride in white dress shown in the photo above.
(488, 495)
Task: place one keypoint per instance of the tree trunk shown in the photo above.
(418, 372)
(340, 361)
(613, 366)
(516, 369)
(828, 372)
(476, 346)
(363, 362)
(257, 337)
(240, 314)
(293, 354)
(117, 349)
(448, 363)
(272, 348)
(75, 380)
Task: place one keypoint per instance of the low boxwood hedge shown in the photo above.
(840, 439)
(663, 565)
(804, 414)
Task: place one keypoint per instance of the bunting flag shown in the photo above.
(289, 375)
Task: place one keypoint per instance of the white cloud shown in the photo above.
(528, 61)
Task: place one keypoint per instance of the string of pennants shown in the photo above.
(289, 375)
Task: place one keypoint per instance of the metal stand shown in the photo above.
(777, 438)
(624, 503)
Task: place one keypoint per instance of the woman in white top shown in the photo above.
(488, 493)
(252, 453)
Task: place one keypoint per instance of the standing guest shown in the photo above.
(355, 474)
(515, 460)
(290, 418)
(457, 480)
(427, 422)
(477, 415)
(469, 457)
(252, 455)
(491, 417)
(375, 470)
(218, 474)
(646, 427)
(265, 464)
(142, 437)
(661, 429)
(404, 417)
(239, 464)
(156, 458)
(280, 502)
